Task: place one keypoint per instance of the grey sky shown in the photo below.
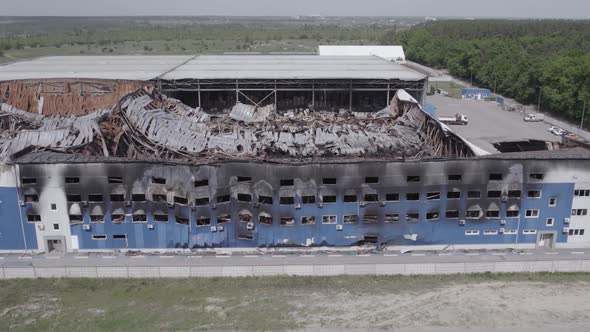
(470, 8)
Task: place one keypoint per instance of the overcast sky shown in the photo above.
(462, 8)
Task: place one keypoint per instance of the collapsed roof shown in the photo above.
(147, 125)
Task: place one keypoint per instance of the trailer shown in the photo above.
(534, 117)
(457, 119)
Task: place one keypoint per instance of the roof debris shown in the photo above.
(146, 125)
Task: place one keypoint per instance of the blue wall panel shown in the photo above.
(11, 227)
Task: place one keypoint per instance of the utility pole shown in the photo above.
(495, 81)
(539, 107)
(583, 112)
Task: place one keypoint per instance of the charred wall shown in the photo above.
(252, 204)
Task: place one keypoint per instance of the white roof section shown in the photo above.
(391, 53)
(292, 67)
(132, 67)
(208, 67)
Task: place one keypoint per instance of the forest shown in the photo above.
(519, 59)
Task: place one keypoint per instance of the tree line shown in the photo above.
(518, 58)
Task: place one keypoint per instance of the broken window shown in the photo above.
(74, 198)
(28, 180)
(117, 218)
(119, 236)
(412, 178)
(138, 197)
(473, 194)
(72, 180)
(454, 177)
(160, 217)
(99, 237)
(156, 180)
(267, 220)
(308, 199)
(289, 200)
(245, 217)
(350, 198)
(453, 194)
(287, 182)
(512, 213)
(391, 218)
(201, 183)
(159, 198)
(412, 217)
(351, 219)
(495, 177)
(200, 201)
(265, 200)
(308, 220)
(371, 197)
(139, 218)
(392, 197)
(433, 196)
(328, 219)
(97, 218)
(287, 221)
(244, 179)
(433, 215)
(536, 176)
(181, 220)
(473, 214)
(180, 200)
(370, 219)
(33, 218)
(534, 194)
(329, 199)
(452, 214)
(223, 219)
(203, 221)
(117, 197)
(95, 198)
(31, 198)
(492, 214)
(329, 180)
(371, 179)
(76, 218)
(494, 194)
(245, 198)
(514, 193)
(413, 196)
(115, 179)
(223, 199)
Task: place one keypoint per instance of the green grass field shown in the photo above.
(162, 47)
(273, 303)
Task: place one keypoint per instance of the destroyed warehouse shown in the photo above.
(157, 152)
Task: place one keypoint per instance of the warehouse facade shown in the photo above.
(261, 151)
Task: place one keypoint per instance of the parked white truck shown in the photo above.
(534, 117)
(458, 119)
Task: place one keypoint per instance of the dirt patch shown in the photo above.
(488, 305)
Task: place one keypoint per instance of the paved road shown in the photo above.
(121, 259)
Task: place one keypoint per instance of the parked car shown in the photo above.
(556, 131)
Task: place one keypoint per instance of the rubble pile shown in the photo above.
(146, 125)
